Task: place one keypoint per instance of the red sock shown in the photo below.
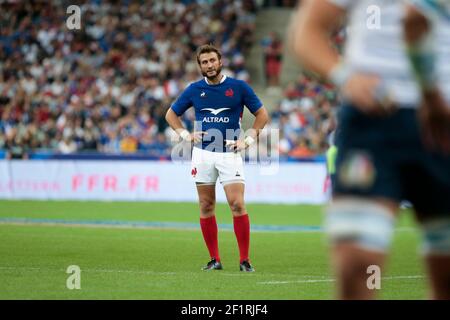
(209, 230)
(242, 231)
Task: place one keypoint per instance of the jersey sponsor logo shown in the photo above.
(203, 94)
(215, 111)
(229, 93)
(216, 119)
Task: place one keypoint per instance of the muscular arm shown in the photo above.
(434, 112)
(310, 42)
(261, 119)
(417, 31)
(174, 121)
(310, 33)
(415, 25)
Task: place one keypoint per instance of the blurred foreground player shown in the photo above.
(431, 65)
(219, 101)
(422, 20)
(382, 158)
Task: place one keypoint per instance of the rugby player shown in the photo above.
(219, 103)
(382, 158)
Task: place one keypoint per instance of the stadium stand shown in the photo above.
(105, 88)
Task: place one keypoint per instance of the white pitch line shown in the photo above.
(91, 270)
(150, 272)
(296, 281)
(333, 280)
(403, 277)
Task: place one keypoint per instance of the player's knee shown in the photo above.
(207, 206)
(237, 206)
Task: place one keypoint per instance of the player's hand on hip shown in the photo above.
(434, 118)
(367, 93)
(236, 145)
(197, 136)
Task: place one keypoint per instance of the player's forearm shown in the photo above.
(417, 33)
(174, 122)
(310, 36)
(415, 25)
(261, 119)
(315, 52)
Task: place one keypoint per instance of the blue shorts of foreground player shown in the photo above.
(385, 157)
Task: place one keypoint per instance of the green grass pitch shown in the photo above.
(164, 263)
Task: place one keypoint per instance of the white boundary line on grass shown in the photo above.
(333, 280)
(90, 270)
(150, 272)
(226, 273)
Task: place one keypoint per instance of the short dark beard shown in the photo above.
(211, 79)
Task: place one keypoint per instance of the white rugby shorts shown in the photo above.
(207, 166)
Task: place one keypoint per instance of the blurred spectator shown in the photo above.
(301, 149)
(128, 143)
(67, 145)
(273, 56)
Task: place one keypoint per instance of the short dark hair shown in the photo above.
(207, 48)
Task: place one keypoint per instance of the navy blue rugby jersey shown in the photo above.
(218, 109)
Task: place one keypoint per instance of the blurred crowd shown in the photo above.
(106, 87)
(306, 114)
(305, 117)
